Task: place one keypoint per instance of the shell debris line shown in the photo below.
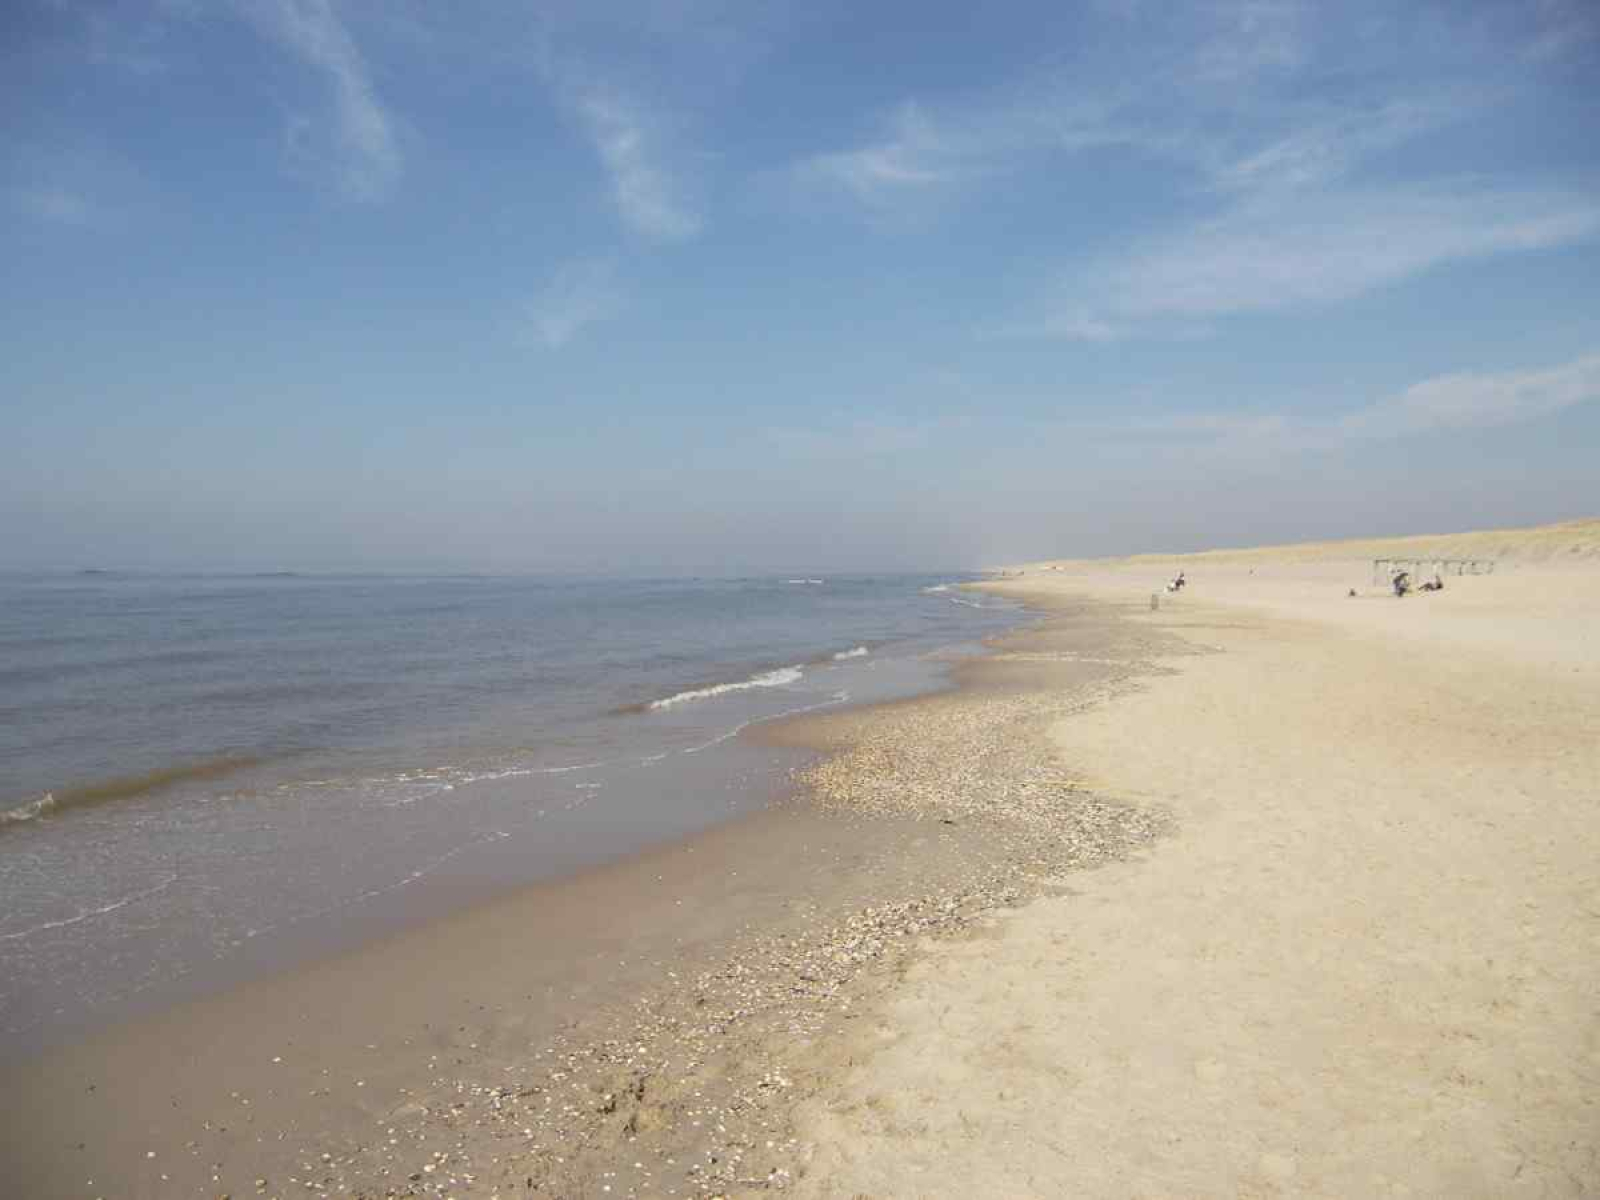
(688, 1091)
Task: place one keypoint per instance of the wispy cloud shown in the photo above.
(1069, 324)
(1441, 404)
(1247, 110)
(1163, 102)
(1478, 401)
(641, 83)
(577, 296)
(1274, 254)
(1278, 250)
(923, 150)
(651, 198)
(914, 155)
(359, 148)
(923, 154)
(1324, 142)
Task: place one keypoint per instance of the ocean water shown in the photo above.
(204, 775)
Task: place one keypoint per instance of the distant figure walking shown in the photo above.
(1178, 583)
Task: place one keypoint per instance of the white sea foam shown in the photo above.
(807, 581)
(434, 780)
(858, 652)
(30, 810)
(767, 679)
(938, 587)
(519, 772)
(90, 913)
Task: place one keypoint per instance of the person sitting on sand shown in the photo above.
(1435, 585)
(1402, 582)
(1177, 583)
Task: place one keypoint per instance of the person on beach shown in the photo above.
(1402, 583)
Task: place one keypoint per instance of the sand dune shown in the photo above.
(1568, 541)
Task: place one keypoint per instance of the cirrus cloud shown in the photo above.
(358, 149)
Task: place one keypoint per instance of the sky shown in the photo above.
(691, 286)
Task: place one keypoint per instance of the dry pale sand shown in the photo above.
(1367, 964)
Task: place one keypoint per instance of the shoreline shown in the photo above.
(1364, 966)
(492, 835)
(852, 891)
(914, 970)
(419, 747)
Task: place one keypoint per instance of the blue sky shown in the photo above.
(748, 286)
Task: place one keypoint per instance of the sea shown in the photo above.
(205, 776)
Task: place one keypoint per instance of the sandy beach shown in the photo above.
(644, 1028)
(693, 600)
(1265, 890)
(1365, 965)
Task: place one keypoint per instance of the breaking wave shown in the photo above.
(126, 786)
(858, 652)
(767, 679)
(30, 810)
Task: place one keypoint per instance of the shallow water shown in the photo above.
(204, 776)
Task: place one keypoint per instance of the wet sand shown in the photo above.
(644, 1027)
(275, 1073)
